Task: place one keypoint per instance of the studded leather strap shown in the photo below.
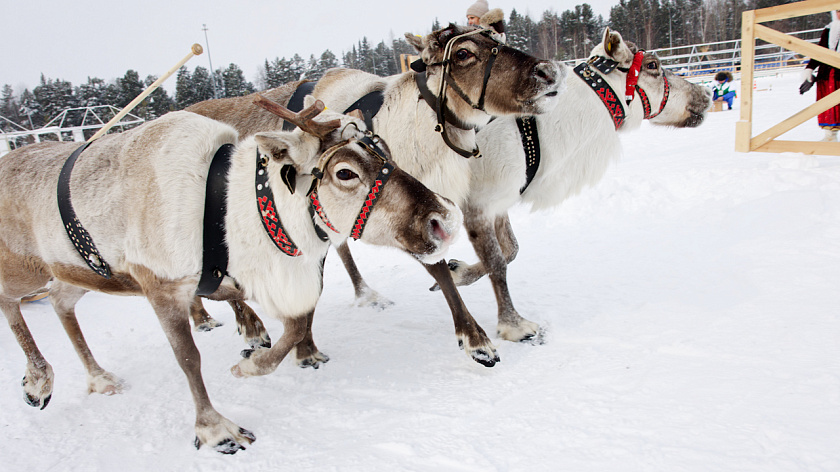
(75, 231)
(531, 145)
(605, 93)
(268, 210)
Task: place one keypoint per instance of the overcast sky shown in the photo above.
(99, 38)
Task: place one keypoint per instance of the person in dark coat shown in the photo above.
(826, 77)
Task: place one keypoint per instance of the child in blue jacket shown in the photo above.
(721, 91)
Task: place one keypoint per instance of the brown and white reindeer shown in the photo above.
(469, 77)
(572, 145)
(578, 140)
(140, 196)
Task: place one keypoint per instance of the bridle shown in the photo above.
(591, 71)
(268, 208)
(438, 103)
(370, 142)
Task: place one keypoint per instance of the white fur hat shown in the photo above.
(478, 9)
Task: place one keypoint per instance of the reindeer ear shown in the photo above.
(612, 42)
(275, 147)
(416, 41)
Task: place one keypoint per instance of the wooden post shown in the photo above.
(743, 127)
(194, 51)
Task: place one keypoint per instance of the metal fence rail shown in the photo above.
(700, 62)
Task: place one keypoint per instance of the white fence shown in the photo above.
(72, 123)
(700, 62)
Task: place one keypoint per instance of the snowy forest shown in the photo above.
(652, 24)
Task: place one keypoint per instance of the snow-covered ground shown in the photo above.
(692, 305)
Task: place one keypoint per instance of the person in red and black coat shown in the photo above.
(826, 77)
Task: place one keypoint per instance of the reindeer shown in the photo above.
(578, 140)
(140, 196)
(429, 119)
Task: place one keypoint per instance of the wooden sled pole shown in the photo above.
(194, 51)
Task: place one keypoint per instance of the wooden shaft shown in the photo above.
(194, 51)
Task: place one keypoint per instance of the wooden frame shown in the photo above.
(752, 30)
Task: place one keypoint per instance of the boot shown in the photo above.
(830, 135)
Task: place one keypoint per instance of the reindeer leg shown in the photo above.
(250, 326)
(307, 353)
(37, 382)
(365, 296)
(200, 318)
(471, 337)
(265, 361)
(171, 301)
(466, 274)
(480, 229)
(64, 297)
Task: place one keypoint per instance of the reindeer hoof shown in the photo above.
(227, 437)
(521, 330)
(487, 359)
(372, 299)
(208, 325)
(485, 355)
(37, 386)
(35, 401)
(314, 360)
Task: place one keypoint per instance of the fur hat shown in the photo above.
(495, 19)
(723, 76)
(478, 9)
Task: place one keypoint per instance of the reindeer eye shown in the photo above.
(346, 174)
(463, 55)
(652, 65)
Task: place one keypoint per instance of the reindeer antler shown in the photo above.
(303, 119)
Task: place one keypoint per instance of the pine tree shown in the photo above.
(184, 89)
(234, 83)
(159, 102)
(9, 107)
(327, 61)
(30, 111)
(203, 88)
(92, 93)
(129, 87)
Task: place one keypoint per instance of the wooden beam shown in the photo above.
(805, 48)
(743, 128)
(792, 10)
(804, 147)
(797, 119)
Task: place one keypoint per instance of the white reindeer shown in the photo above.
(474, 77)
(140, 195)
(578, 140)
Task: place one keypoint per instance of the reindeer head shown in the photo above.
(486, 75)
(671, 100)
(354, 187)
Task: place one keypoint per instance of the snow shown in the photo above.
(691, 306)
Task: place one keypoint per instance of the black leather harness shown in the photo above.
(215, 254)
(215, 251)
(531, 145)
(75, 231)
